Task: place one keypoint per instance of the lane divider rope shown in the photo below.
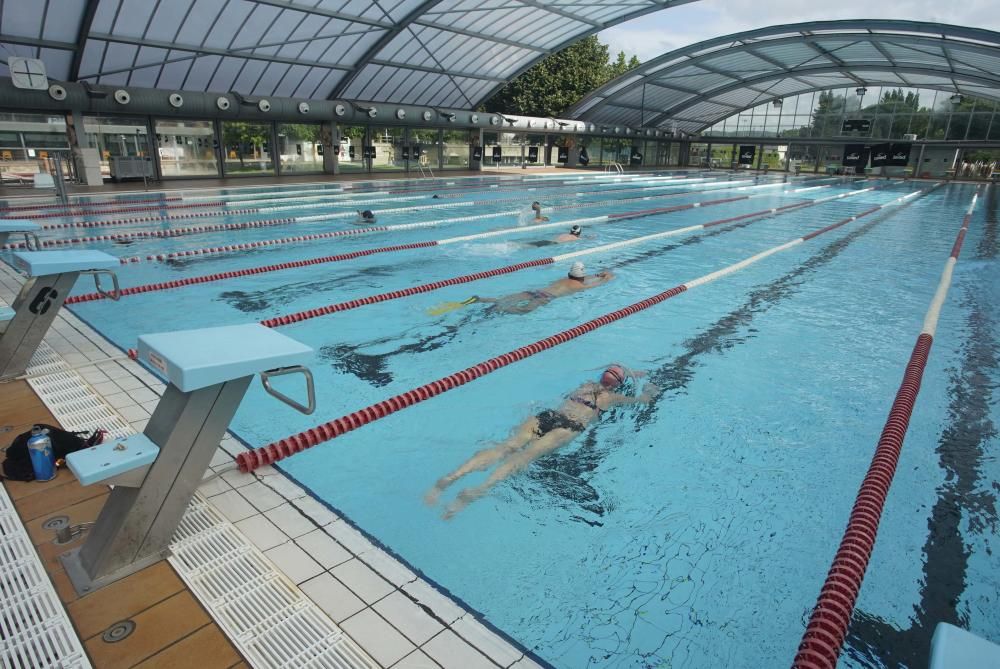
(85, 205)
(340, 257)
(827, 628)
(116, 210)
(283, 448)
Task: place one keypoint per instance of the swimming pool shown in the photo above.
(693, 532)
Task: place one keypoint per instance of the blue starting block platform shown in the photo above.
(116, 462)
(954, 648)
(13, 226)
(43, 263)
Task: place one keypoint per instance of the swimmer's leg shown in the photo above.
(485, 458)
(515, 463)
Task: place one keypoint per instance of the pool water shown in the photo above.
(692, 532)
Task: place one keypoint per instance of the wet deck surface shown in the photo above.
(171, 627)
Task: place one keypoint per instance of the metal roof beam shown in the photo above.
(286, 4)
(469, 33)
(434, 70)
(34, 41)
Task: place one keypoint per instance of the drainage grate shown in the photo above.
(35, 632)
(76, 406)
(272, 622)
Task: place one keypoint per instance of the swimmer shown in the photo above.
(366, 217)
(529, 300)
(543, 433)
(571, 236)
(537, 208)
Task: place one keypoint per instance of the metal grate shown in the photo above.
(75, 405)
(268, 617)
(35, 632)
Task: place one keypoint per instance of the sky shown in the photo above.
(657, 33)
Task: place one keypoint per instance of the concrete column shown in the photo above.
(87, 161)
(683, 153)
(329, 137)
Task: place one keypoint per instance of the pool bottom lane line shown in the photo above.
(828, 624)
(250, 460)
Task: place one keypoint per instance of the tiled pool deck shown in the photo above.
(397, 618)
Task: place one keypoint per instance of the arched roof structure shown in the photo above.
(451, 53)
(695, 87)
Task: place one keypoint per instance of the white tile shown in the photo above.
(216, 486)
(290, 521)
(453, 653)
(262, 532)
(129, 383)
(143, 394)
(323, 548)
(364, 582)
(332, 596)
(262, 497)
(119, 400)
(220, 458)
(294, 562)
(150, 406)
(388, 567)
(74, 358)
(282, 485)
(349, 538)
(233, 506)
(105, 388)
(408, 618)
(416, 660)
(112, 370)
(487, 642)
(442, 606)
(526, 663)
(377, 637)
(316, 510)
(133, 412)
(238, 479)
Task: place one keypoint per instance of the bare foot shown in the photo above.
(431, 498)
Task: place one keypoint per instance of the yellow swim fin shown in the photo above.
(445, 307)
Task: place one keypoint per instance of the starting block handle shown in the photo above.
(31, 241)
(265, 378)
(115, 293)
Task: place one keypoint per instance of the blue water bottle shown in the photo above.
(43, 461)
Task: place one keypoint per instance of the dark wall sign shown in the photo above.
(747, 154)
(350, 151)
(405, 153)
(855, 155)
(563, 154)
(584, 157)
(532, 154)
(857, 125)
(899, 154)
(477, 153)
(635, 158)
(497, 154)
(881, 155)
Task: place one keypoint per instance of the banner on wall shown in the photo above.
(747, 154)
(584, 157)
(881, 155)
(405, 153)
(477, 153)
(855, 155)
(350, 151)
(899, 154)
(497, 154)
(418, 151)
(635, 158)
(563, 154)
(532, 154)
(371, 152)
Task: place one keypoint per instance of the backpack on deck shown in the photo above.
(17, 465)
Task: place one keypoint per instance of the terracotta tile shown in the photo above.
(20, 489)
(155, 629)
(123, 599)
(209, 645)
(50, 552)
(240, 665)
(56, 498)
(81, 512)
(63, 586)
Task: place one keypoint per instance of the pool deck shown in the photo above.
(373, 610)
(170, 623)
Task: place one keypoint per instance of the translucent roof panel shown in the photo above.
(434, 52)
(709, 81)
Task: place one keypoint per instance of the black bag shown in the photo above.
(17, 465)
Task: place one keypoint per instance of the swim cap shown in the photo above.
(577, 271)
(367, 213)
(575, 230)
(613, 377)
(536, 203)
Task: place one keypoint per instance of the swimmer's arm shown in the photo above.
(645, 397)
(600, 279)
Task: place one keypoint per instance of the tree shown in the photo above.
(550, 86)
(241, 136)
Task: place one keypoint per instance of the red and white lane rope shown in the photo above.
(340, 257)
(118, 209)
(824, 635)
(148, 219)
(87, 205)
(259, 457)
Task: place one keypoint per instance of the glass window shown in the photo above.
(456, 148)
(300, 147)
(388, 145)
(425, 148)
(186, 148)
(247, 147)
(27, 142)
(979, 126)
(958, 126)
(115, 136)
(352, 146)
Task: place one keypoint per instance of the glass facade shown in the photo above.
(247, 148)
(115, 136)
(26, 143)
(300, 148)
(455, 148)
(186, 148)
(893, 113)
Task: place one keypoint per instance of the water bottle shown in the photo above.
(43, 461)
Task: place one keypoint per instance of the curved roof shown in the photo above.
(696, 86)
(453, 53)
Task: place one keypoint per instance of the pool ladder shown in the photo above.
(614, 167)
(426, 171)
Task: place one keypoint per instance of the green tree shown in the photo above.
(550, 86)
(243, 137)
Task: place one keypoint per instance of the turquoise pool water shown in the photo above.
(693, 532)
